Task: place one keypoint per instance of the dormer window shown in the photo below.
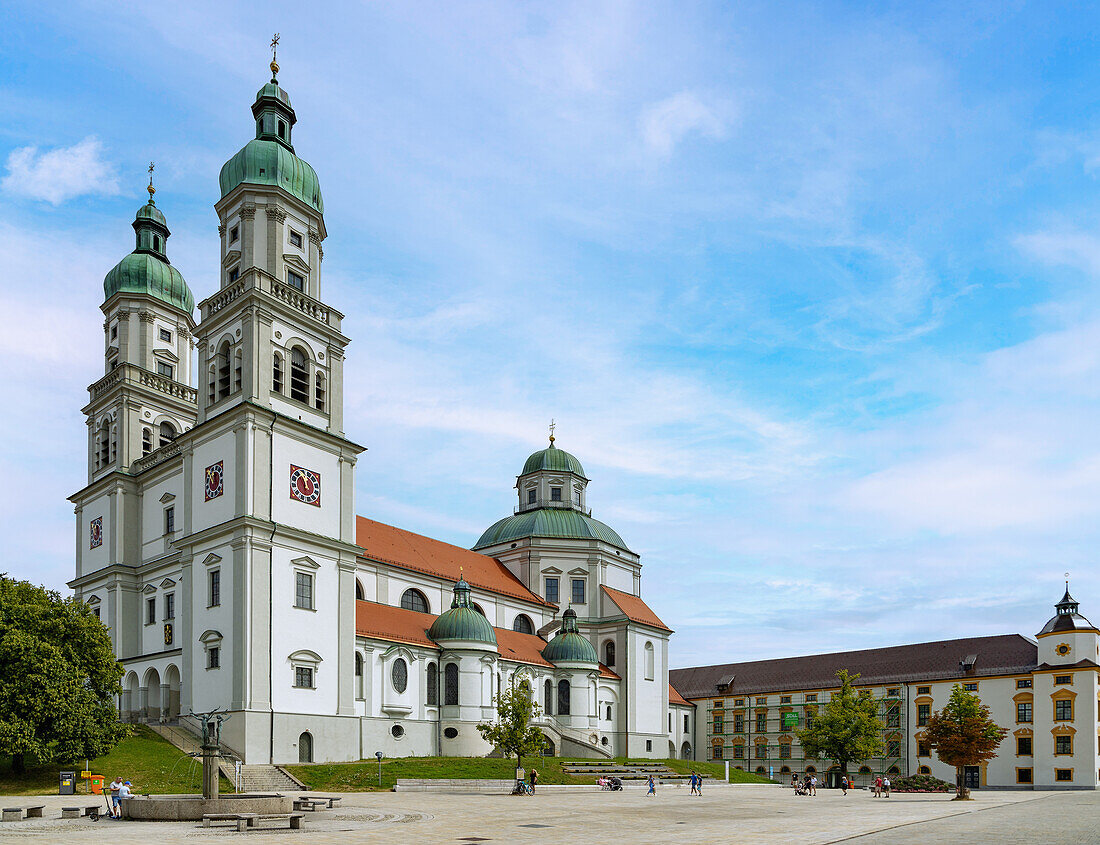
(531, 494)
(295, 281)
(555, 494)
(295, 239)
(234, 234)
(282, 130)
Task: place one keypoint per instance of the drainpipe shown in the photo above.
(270, 590)
(438, 706)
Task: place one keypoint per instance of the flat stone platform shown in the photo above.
(724, 814)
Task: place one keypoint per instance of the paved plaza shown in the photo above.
(749, 814)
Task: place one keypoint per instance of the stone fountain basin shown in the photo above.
(178, 808)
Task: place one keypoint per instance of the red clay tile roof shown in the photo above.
(523, 648)
(608, 673)
(998, 655)
(635, 609)
(383, 622)
(388, 544)
(675, 697)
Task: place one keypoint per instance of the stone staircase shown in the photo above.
(254, 778)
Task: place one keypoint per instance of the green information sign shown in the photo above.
(790, 720)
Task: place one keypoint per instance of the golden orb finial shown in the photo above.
(553, 425)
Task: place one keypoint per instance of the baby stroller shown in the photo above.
(802, 787)
(614, 784)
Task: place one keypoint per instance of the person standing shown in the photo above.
(652, 787)
(878, 786)
(691, 780)
(886, 785)
(699, 785)
(534, 775)
(116, 784)
(844, 784)
(813, 785)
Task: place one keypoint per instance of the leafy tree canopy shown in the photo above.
(59, 678)
(513, 732)
(847, 729)
(963, 734)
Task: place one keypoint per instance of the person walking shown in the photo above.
(813, 785)
(534, 776)
(844, 784)
(699, 785)
(878, 786)
(886, 785)
(652, 787)
(116, 784)
(691, 780)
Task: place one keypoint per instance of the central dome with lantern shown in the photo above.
(552, 489)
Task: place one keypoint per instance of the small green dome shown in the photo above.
(140, 272)
(562, 523)
(150, 212)
(262, 162)
(555, 459)
(462, 622)
(568, 645)
(273, 89)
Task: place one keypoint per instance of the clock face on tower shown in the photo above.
(215, 478)
(305, 485)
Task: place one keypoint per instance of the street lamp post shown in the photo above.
(378, 754)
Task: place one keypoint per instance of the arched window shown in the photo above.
(433, 684)
(523, 624)
(609, 653)
(156, 242)
(609, 712)
(358, 590)
(450, 683)
(299, 376)
(305, 748)
(925, 770)
(319, 392)
(223, 370)
(282, 129)
(237, 371)
(477, 607)
(105, 443)
(146, 440)
(548, 698)
(649, 661)
(563, 697)
(277, 373)
(399, 674)
(358, 675)
(414, 600)
(167, 433)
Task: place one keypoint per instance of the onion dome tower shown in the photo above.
(569, 646)
(1067, 616)
(462, 625)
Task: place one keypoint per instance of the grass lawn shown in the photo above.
(363, 776)
(151, 762)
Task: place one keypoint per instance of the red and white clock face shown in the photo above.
(215, 480)
(305, 485)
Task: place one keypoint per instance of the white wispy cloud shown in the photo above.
(666, 123)
(60, 174)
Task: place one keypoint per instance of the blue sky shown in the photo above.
(811, 291)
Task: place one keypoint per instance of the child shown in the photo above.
(652, 787)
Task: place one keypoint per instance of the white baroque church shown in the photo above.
(218, 542)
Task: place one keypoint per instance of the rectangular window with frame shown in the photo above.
(762, 700)
(970, 687)
(303, 677)
(295, 239)
(717, 724)
(215, 585)
(1063, 710)
(924, 713)
(1023, 683)
(303, 590)
(1062, 680)
(738, 752)
(738, 723)
(1023, 776)
(924, 749)
(811, 697)
(1063, 774)
(165, 335)
(687, 729)
(761, 723)
(784, 699)
(1063, 744)
(295, 280)
(924, 690)
(531, 494)
(234, 234)
(578, 591)
(95, 610)
(739, 702)
(169, 520)
(169, 606)
(234, 274)
(555, 494)
(213, 657)
(1023, 711)
(166, 370)
(784, 751)
(1023, 746)
(552, 590)
(649, 745)
(893, 748)
(114, 332)
(150, 610)
(717, 752)
(894, 692)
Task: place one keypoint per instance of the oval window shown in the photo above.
(450, 733)
(400, 674)
(397, 731)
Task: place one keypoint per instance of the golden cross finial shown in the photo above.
(151, 189)
(553, 425)
(274, 49)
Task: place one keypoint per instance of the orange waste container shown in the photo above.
(97, 784)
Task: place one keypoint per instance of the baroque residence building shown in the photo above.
(1043, 690)
(217, 538)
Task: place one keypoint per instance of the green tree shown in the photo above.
(847, 729)
(513, 732)
(963, 734)
(59, 678)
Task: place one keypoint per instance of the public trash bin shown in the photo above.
(67, 785)
(97, 783)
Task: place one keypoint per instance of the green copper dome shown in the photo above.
(147, 269)
(462, 622)
(263, 162)
(568, 645)
(555, 459)
(560, 523)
